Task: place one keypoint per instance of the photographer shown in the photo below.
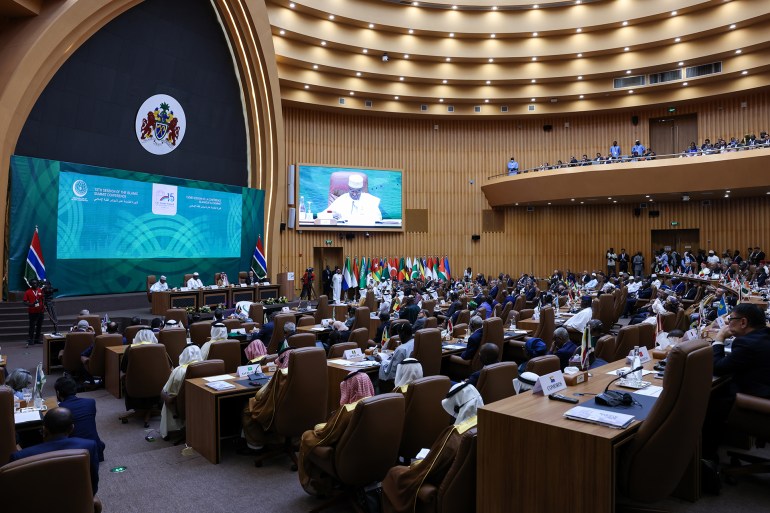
(307, 284)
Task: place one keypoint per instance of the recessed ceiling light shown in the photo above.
(732, 26)
(315, 66)
(631, 91)
(678, 39)
(441, 100)
(486, 101)
(628, 72)
(358, 73)
(444, 81)
(625, 23)
(396, 97)
(739, 51)
(331, 16)
(415, 4)
(371, 25)
(582, 202)
(494, 7)
(352, 93)
(536, 6)
(411, 31)
(572, 199)
(323, 43)
(534, 59)
(744, 72)
(581, 96)
(579, 55)
(579, 30)
(401, 78)
(307, 86)
(549, 202)
(489, 82)
(490, 60)
(533, 81)
(727, 195)
(365, 50)
(673, 13)
(685, 83)
(614, 201)
(534, 34)
(609, 197)
(532, 99)
(493, 36)
(282, 32)
(626, 49)
(680, 63)
(451, 34)
(578, 2)
(448, 59)
(292, 5)
(406, 56)
(580, 77)
(454, 7)
(727, 192)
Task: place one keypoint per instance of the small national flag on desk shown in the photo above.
(35, 267)
(258, 261)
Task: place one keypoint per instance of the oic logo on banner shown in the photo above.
(160, 124)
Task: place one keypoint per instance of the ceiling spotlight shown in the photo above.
(533, 81)
(385, 57)
(673, 13)
(454, 7)
(678, 39)
(490, 60)
(534, 34)
(614, 201)
(549, 202)
(282, 32)
(680, 63)
(352, 93)
(444, 81)
(315, 66)
(532, 99)
(401, 79)
(411, 31)
(358, 73)
(739, 51)
(625, 23)
(536, 6)
(292, 5)
(626, 49)
(371, 25)
(307, 86)
(579, 55)
(493, 36)
(732, 26)
(494, 7)
(486, 101)
(406, 56)
(534, 59)
(581, 96)
(580, 77)
(323, 43)
(331, 16)
(365, 50)
(628, 72)
(415, 4)
(744, 72)
(578, 2)
(451, 34)
(489, 82)
(448, 59)
(396, 97)
(579, 30)
(631, 91)
(685, 83)
(441, 100)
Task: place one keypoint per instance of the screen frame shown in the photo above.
(342, 227)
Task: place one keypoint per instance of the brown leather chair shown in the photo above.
(376, 424)
(7, 425)
(147, 371)
(67, 476)
(370, 302)
(459, 330)
(361, 337)
(646, 335)
(178, 314)
(200, 332)
(627, 339)
(249, 326)
(425, 418)
(496, 381)
(671, 431)
(464, 317)
(185, 279)
(542, 365)
(644, 302)
(430, 306)
(605, 348)
(620, 303)
(130, 332)
(74, 344)
(520, 303)
(301, 403)
(322, 309)
(150, 282)
(362, 318)
(94, 321)
(696, 299)
(338, 350)
(95, 363)
(750, 415)
(497, 310)
(232, 324)
(257, 313)
(229, 351)
(457, 491)
(302, 340)
(506, 310)
(243, 277)
(492, 333)
(176, 404)
(668, 321)
(427, 349)
(306, 320)
(431, 322)
(546, 326)
(277, 336)
(606, 312)
(481, 312)
(174, 340)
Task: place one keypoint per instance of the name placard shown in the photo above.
(353, 355)
(550, 384)
(245, 370)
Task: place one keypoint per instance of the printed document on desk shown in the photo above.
(220, 385)
(603, 418)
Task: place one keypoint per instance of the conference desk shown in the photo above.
(570, 465)
(212, 414)
(51, 347)
(113, 356)
(707, 282)
(162, 301)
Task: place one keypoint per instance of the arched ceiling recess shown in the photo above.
(394, 57)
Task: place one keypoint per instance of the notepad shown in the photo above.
(453, 346)
(220, 385)
(318, 328)
(221, 377)
(601, 417)
(26, 416)
(652, 391)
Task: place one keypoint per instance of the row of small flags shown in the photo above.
(357, 271)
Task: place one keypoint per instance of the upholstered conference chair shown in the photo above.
(362, 318)
(200, 332)
(93, 320)
(492, 333)
(174, 340)
(95, 364)
(176, 404)
(306, 320)
(431, 322)
(74, 344)
(7, 425)
(301, 402)
(425, 418)
(130, 332)
(496, 381)
(542, 365)
(338, 350)
(750, 415)
(299, 340)
(627, 339)
(67, 478)
(427, 349)
(672, 428)
(257, 313)
(229, 351)
(361, 337)
(376, 426)
(178, 314)
(277, 337)
(147, 371)
(322, 309)
(151, 279)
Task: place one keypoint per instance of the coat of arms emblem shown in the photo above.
(160, 124)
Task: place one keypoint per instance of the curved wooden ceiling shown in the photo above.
(483, 57)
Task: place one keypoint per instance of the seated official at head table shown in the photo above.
(195, 282)
(160, 285)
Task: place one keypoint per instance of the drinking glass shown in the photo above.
(26, 394)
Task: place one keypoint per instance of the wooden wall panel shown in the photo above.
(444, 168)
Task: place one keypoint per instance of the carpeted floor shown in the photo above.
(159, 477)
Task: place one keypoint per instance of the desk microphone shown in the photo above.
(614, 398)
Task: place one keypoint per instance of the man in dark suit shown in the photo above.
(748, 363)
(57, 426)
(265, 333)
(326, 281)
(83, 412)
(454, 308)
(474, 341)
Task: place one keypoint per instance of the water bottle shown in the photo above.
(637, 376)
(302, 207)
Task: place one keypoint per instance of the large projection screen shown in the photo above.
(349, 198)
(104, 230)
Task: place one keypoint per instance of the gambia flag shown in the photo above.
(35, 267)
(346, 275)
(258, 262)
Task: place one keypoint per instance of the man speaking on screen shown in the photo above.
(356, 207)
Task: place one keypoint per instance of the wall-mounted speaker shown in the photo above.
(637, 211)
(530, 209)
(654, 213)
(475, 237)
(290, 185)
(350, 236)
(547, 128)
(292, 217)
(283, 226)
(635, 120)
